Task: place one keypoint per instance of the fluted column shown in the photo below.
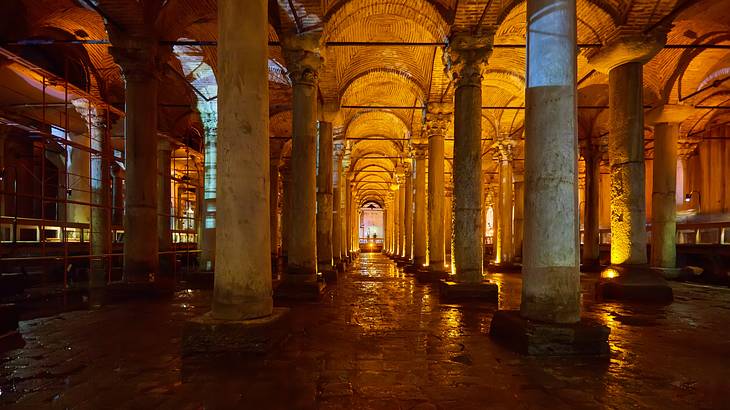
(504, 157)
(591, 233)
(301, 53)
(419, 217)
(164, 207)
(138, 58)
(101, 216)
(337, 176)
(466, 56)
(550, 263)
(438, 118)
(324, 198)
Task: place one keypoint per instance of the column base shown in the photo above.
(633, 284)
(340, 266)
(330, 275)
(299, 290)
(426, 275)
(585, 338)
(484, 291)
(205, 334)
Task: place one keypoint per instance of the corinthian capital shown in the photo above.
(138, 57)
(466, 55)
(303, 57)
(420, 151)
(627, 47)
(436, 118)
(94, 116)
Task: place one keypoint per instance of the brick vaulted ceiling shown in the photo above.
(400, 76)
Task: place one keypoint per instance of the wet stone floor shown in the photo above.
(378, 340)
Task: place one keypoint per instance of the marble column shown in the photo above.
(550, 259)
(117, 195)
(408, 216)
(138, 59)
(401, 214)
(164, 208)
(303, 59)
(448, 219)
(466, 56)
(337, 176)
(243, 286)
(101, 216)
(505, 238)
(666, 120)
(207, 231)
(324, 198)
(438, 117)
(591, 235)
(419, 217)
(519, 218)
(274, 207)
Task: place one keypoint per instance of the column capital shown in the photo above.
(627, 47)
(466, 55)
(303, 57)
(420, 151)
(437, 118)
(138, 57)
(90, 113)
(338, 149)
(668, 114)
(504, 149)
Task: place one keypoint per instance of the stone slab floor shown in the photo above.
(377, 341)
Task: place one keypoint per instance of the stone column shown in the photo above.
(337, 239)
(207, 231)
(519, 224)
(408, 216)
(138, 58)
(117, 195)
(466, 56)
(419, 218)
(286, 211)
(438, 117)
(591, 235)
(504, 158)
(628, 277)
(324, 201)
(101, 216)
(243, 270)
(164, 210)
(401, 214)
(396, 219)
(666, 120)
(243, 317)
(77, 181)
(449, 220)
(301, 53)
(549, 317)
(274, 207)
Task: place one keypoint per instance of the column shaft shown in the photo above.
(274, 207)
(164, 207)
(324, 197)
(408, 215)
(101, 198)
(550, 263)
(336, 206)
(663, 197)
(207, 231)
(436, 210)
(419, 220)
(242, 288)
(505, 214)
(286, 209)
(591, 234)
(626, 154)
(519, 221)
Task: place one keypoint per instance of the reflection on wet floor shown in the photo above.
(377, 340)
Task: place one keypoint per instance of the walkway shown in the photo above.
(377, 341)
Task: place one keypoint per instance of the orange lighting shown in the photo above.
(609, 273)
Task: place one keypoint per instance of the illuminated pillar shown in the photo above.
(286, 207)
(396, 219)
(504, 158)
(519, 224)
(301, 53)
(408, 216)
(448, 219)
(401, 214)
(138, 59)
(164, 208)
(337, 176)
(466, 56)
(419, 218)
(591, 235)
(77, 181)
(666, 120)
(438, 118)
(117, 195)
(324, 199)
(550, 258)
(100, 228)
(207, 231)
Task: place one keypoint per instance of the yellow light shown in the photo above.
(609, 273)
